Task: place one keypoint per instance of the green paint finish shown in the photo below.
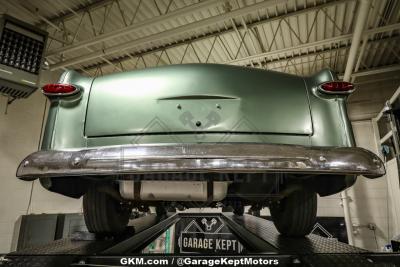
(163, 105)
(330, 122)
(67, 115)
(219, 98)
(198, 138)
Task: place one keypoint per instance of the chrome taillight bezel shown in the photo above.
(76, 91)
(347, 92)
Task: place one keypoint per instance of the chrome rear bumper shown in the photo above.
(206, 157)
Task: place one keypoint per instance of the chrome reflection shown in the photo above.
(206, 157)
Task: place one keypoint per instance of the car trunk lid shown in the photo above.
(198, 98)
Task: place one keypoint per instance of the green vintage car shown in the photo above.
(199, 135)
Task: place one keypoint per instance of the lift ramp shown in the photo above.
(207, 235)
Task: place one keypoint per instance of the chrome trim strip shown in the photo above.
(205, 157)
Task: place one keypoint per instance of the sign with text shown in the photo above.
(205, 234)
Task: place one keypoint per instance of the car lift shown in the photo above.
(257, 235)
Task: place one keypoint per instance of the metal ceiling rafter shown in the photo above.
(397, 55)
(211, 49)
(158, 57)
(195, 52)
(240, 37)
(292, 61)
(332, 20)
(292, 30)
(82, 9)
(226, 49)
(167, 33)
(135, 13)
(169, 59)
(310, 31)
(221, 33)
(107, 10)
(137, 26)
(275, 32)
(305, 46)
(66, 32)
(256, 48)
(241, 43)
(256, 34)
(362, 18)
(121, 12)
(377, 70)
(77, 28)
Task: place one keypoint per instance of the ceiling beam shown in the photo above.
(328, 41)
(73, 12)
(167, 34)
(296, 53)
(162, 19)
(42, 18)
(377, 70)
(184, 29)
(363, 11)
(227, 30)
(322, 50)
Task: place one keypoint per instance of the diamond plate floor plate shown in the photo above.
(67, 246)
(307, 245)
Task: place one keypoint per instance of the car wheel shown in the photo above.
(256, 213)
(295, 215)
(227, 209)
(104, 214)
(161, 211)
(238, 210)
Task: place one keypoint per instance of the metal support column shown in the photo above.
(355, 44)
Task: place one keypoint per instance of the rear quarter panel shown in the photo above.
(66, 116)
(331, 125)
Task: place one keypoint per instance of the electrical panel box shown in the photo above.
(21, 56)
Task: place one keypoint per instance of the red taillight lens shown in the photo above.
(337, 87)
(59, 89)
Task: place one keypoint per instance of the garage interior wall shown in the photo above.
(19, 135)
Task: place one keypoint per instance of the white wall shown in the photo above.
(371, 93)
(369, 197)
(19, 136)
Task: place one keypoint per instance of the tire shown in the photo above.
(238, 210)
(227, 209)
(161, 211)
(104, 214)
(296, 214)
(256, 213)
(171, 209)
